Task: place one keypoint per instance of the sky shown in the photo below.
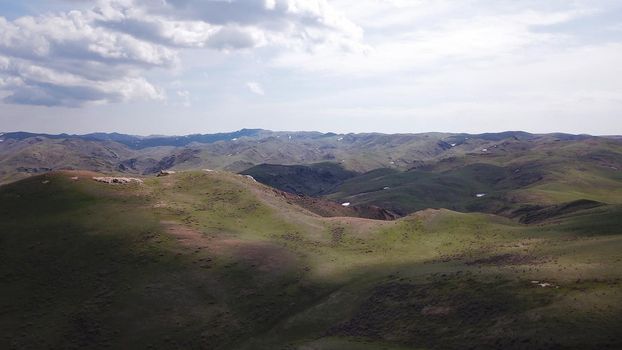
(199, 66)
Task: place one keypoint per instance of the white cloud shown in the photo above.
(67, 60)
(446, 39)
(101, 55)
(364, 64)
(255, 88)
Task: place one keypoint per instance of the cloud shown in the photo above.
(230, 25)
(414, 36)
(255, 88)
(269, 15)
(65, 60)
(102, 54)
(184, 98)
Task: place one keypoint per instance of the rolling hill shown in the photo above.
(313, 180)
(506, 178)
(216, 260)
(510, 178)
(22, 154)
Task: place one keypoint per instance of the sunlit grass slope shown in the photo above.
(510, 175)
(217, 261)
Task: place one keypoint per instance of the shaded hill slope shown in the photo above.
(216, 260)
(312, 180)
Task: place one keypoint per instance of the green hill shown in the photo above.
(508, 179)
(313, 180)
(26, 154)
(215, 260)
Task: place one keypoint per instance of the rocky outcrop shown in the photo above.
(165, 173)
(117, 180)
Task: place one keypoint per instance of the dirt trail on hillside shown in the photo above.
(264, 256)
(359, 226)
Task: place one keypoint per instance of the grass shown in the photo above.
(407, 192)
(511, 174)
(313, 180)
(215, 260)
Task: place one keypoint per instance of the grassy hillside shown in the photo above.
(215, 260)
(406, 192)
(25, 154)
(313, 180)
(512, 176)
(32, 156)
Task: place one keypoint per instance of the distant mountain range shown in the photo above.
(140, 142)
(24, 153)
(402, 173)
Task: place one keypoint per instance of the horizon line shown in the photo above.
(2, 133)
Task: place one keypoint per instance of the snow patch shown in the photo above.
(346, 204)
(543, 284)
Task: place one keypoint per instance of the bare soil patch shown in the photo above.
(510, 259)
(264, 256)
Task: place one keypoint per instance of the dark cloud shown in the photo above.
(41, 94)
